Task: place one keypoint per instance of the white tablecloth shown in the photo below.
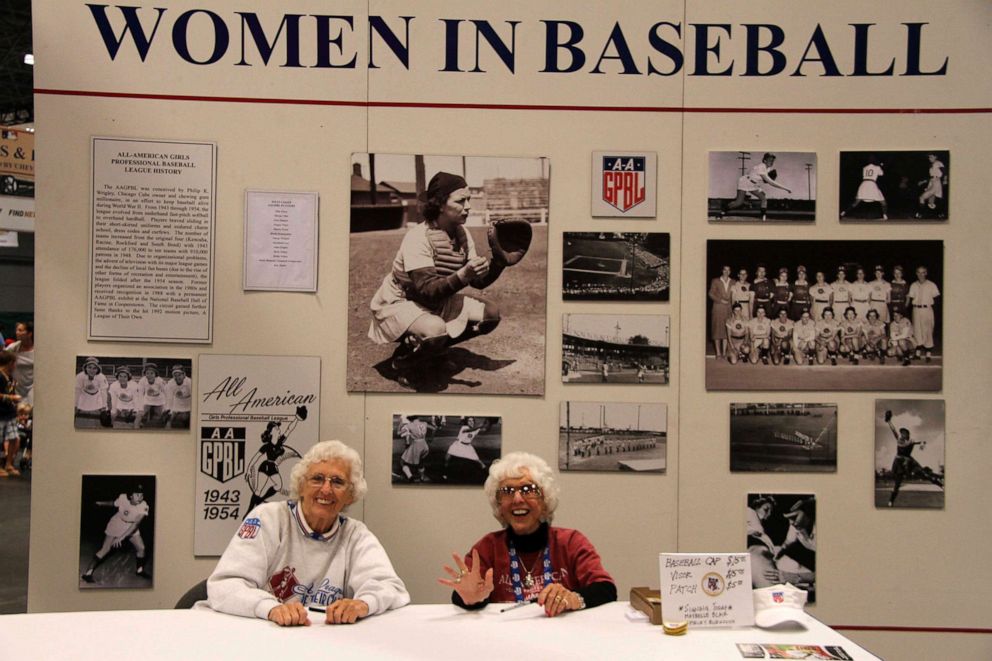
(415, 632)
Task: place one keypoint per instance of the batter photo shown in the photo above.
(903, 186)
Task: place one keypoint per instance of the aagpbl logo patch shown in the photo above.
(249, 529)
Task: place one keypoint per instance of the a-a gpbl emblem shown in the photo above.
(249, 528)
(778, 597)
(222, 452)
(623, 181)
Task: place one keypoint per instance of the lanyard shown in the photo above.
(516, 564)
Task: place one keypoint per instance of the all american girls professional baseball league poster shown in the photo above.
(258, 416)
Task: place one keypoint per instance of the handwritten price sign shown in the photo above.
(707, 589)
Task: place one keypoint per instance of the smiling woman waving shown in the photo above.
(529, 559)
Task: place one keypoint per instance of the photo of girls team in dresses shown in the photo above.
(836, 315)
(761, 186)
(116, 392)
(909, 453)
(116, 531)
(448, 274)
(781, 539)
(904, 186)
(445, 449)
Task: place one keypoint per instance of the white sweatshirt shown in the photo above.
(275, 557)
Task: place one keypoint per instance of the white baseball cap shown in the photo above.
(779, 604)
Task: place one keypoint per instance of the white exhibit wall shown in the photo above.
(910, 568)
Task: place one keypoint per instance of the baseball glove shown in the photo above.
(888, 415)
(773, 174)
(509, 240)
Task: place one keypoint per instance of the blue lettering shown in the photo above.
(826, 58)
(861, 52)
(451, 44)
(180, 36)
(703, 49)
(552, 44)
(131, 25)
(292, 24)
(619, 42)
(913, 48)
(755, 48)
(667, 49)
(400, 50)
(486, 31)
(324, 38)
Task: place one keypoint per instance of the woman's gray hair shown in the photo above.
(329, 451)
(512, 466)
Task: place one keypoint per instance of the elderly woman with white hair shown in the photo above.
(529, 560)
(288, 557)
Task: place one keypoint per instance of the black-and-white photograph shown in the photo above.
(445, 449)
(824, 315)
(116, 531)
(619, 348)
(909, 453)
(879, 186)
(761, 186)
(616, 266)
(613, 436)
(448, 274)
(128, 392)
(785, 438)
(781, 538)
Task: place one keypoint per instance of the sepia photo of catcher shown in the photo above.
(448, 274)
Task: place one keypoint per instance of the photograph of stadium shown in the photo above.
(624, 348)
(613, 436)
(615, 266)
(781, 539)
(824, 315)
(904, 186)
(761, 186)
(909, 453)
(432, 305)
(445, 449)
(788, 438)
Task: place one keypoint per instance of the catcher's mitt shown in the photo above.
(509, 240)
(888, 415)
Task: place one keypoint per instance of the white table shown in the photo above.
(415, 632)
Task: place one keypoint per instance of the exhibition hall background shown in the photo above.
(282, 128)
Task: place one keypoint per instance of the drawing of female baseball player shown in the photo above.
(262, 473)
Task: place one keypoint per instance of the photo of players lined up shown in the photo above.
(825, 315)
(909, 453)
(615, 266)
(761, 186)
(118, 392)
(116, 531)
(623, 348)
(781, 539)
(613, 436)
(788, 438)
(895, 185)
(445, 449)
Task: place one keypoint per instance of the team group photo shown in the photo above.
(838, 315)
(117, 392)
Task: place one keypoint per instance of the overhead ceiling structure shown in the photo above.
(16, 77)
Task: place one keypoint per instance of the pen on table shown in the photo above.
(317, 609)
(532, 600)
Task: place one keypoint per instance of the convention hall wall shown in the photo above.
(678, 79)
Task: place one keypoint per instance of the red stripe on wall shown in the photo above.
(515, 106)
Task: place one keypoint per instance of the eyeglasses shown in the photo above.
(317, 482)
(528, 491)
